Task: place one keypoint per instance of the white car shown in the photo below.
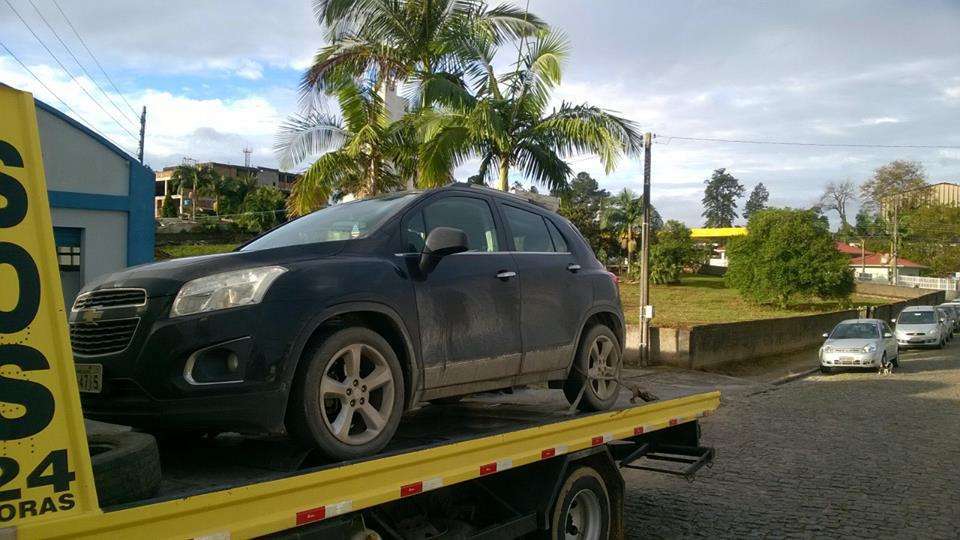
(921, 326)
(859, 343)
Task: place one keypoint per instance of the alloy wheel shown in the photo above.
(356, 394)
(603, 367)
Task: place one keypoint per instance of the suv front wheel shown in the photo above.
(348, 399)
(597, 368)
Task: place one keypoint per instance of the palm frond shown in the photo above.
(302, 136)
(583, 129)
(541, 164)
(332, 172)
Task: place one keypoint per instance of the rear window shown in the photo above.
(916, 317)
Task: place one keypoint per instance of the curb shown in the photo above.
(794, 376)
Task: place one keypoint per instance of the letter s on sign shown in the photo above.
(37, 399)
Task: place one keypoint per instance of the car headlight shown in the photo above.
(226, 290)
(870, 348)
(827, 349)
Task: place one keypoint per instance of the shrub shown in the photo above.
(673, 253)
(787, 254)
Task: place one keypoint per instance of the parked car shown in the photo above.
(946, 317)
(953, 313)
(859, 343)
(331, 326)
(921, 326)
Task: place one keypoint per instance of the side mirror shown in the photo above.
(887, 335)
(943, 320)
(441, 242)
(894, 321)
(826, 335)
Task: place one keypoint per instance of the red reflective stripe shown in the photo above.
(548, 453)
(596, 440)
(314, 514)
(411, 489)
(638, 430)
(673, 421)
(488, 468)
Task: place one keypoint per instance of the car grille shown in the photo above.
(916, 333)
(102, 337)
(109, 298)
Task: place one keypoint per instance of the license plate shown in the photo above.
(847, 360)
(90, 378)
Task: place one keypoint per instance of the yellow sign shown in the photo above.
(44, 461)
(718, 232)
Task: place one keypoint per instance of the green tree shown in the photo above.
(263, 208)
(362, 152)
(895, 179)
(933, 237)
(788, 254)
(583, 204)
(757, 200)
(198, 179)
(168, 209)
(232, 192)
(674, 252)
(625, 216)
(508, 123)
(720, 199)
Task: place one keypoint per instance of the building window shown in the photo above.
(69, 258)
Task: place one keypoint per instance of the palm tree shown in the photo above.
(508, 125)
(363, 152)
(196, 178)
(413, 41)
(625, 216)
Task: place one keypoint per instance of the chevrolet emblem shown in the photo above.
(91, 315)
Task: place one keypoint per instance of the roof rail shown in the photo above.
(528, 199)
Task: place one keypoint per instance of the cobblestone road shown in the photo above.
(853, 455)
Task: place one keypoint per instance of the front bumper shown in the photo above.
(849, 359)
(918, 341)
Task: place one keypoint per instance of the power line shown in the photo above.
(793, 143)
(54, 94)
(77, 60)
(93, 56)
(64, 68)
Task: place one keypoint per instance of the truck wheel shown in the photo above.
(598, 356)
(126, 466)
(348, 399)
(582, 509)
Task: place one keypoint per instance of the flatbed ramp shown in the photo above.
(239, 489)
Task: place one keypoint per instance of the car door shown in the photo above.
(553, 295)
(889, 340)
(469, 305)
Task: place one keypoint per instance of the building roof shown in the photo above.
(847, 249)
(92, 134)
(882, 259)
(717, 232)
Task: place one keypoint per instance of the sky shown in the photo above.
(218, 77)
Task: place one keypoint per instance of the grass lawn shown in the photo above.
(705, 300)
(191, 250)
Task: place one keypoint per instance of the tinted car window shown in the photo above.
(916, 317)
(529, 231)
(414, 234)
(345, 221)
(559, 242)
(855, 331)
(468, 214)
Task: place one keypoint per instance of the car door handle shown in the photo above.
(573, 267)
(506, 274)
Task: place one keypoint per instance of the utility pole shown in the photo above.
(645, 311)
(895, 252)
(143, 128)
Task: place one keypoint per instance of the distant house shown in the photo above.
(877, 266)
(265, 176)
(947, 193)
(852, 250)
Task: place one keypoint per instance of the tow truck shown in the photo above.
(487, 468)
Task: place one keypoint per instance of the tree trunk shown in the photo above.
(504, 174)
(193, 201)
(629, 247)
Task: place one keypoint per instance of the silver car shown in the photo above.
(921, 326)
(953, 313)
(859, 343)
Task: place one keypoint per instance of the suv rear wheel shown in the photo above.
(597, 366)
(348, 399)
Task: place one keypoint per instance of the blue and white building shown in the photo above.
(101, 201)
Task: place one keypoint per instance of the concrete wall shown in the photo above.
(74, 162)
(709, 345)
(104, 241)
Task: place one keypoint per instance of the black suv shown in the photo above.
(332, 325)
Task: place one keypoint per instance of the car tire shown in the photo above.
(593, 356)
(582, 507)
(825, 370)
(345, 363)
(126, 466)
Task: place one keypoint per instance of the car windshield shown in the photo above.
(855, 331)
(916, 317)
(345, 221)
